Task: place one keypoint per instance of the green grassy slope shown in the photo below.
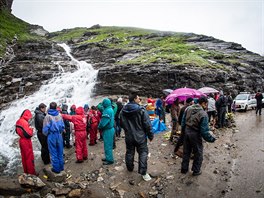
(11, 26)
(171, 48)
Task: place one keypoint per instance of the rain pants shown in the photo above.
(53, 126)
(25, 133)
(107, 126)
(79, 121)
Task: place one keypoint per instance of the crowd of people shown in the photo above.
(58, 129)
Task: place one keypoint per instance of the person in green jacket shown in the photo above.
(195, 125)
(107, 126)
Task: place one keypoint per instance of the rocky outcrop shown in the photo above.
(29, 66)
(246, 73)
(6, 4)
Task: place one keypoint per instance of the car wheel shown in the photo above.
(246, 108)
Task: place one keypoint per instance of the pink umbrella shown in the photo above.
(182, 94)
(208, 90)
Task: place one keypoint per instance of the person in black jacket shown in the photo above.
(40, 114)
(135, 121)
(259, 98)
(67, 133)
(221, 104)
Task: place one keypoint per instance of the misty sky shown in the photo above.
(240, 21)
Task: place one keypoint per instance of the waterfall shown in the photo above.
(67, 88)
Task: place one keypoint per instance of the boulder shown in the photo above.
(54, 177)
(28, 180)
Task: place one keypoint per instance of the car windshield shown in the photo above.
(241, 97)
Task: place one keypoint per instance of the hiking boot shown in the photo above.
(85, 158)
(79, 161)
(146, 177)
(68, 146)
(103, 159)
(184, 171)
(197, 173)
(107, 163)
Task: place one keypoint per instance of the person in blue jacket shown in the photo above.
(53, 127)
(195, 125)
(107, 126)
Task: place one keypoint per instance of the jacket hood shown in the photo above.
(53, 112)
(196, 108)
(106, 103)
(26, 115)
(80, 111)
(73, 108)
(131, 108)
(64, 107)
(37, 111)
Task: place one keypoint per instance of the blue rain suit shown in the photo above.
(107, 126)
(53, 127)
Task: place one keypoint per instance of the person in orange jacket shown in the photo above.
(25, 132)
(79, 120)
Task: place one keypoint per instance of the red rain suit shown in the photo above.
(25, 133)
(94, 119)
(79, 121)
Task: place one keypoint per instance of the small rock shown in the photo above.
(75, 193)
(131, 182)
(142, 195)
(99, 179)
(54, 177)
(152, 193)
(113, 186)
(215, 172)
(30, 180)
(119, 168)
(61, 191)
(170, 177)
(121, 193)
(49, 195)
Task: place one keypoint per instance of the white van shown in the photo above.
(244, 101)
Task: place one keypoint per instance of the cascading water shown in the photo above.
(68, 88)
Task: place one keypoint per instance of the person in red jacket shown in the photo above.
(25, 132)
(79, 121)
(93, 119)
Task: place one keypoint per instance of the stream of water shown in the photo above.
(67, 88)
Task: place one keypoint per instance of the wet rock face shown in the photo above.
(244, 74)
(28, 66)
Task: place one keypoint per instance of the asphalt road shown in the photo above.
(247, 178)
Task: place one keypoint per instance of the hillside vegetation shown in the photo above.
(12, 27)
(153, 46)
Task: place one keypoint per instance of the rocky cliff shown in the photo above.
(131, 59)
(151, 61)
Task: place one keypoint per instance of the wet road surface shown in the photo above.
(248, 168)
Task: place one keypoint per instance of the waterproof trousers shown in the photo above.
(66, 137)
(221, 117)
(44, 148)
(192, 143)
(258, 109)
(55, 143)
(108, 137)
(81, 145)
(93, 133)
(142, 150)
(27, 156)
